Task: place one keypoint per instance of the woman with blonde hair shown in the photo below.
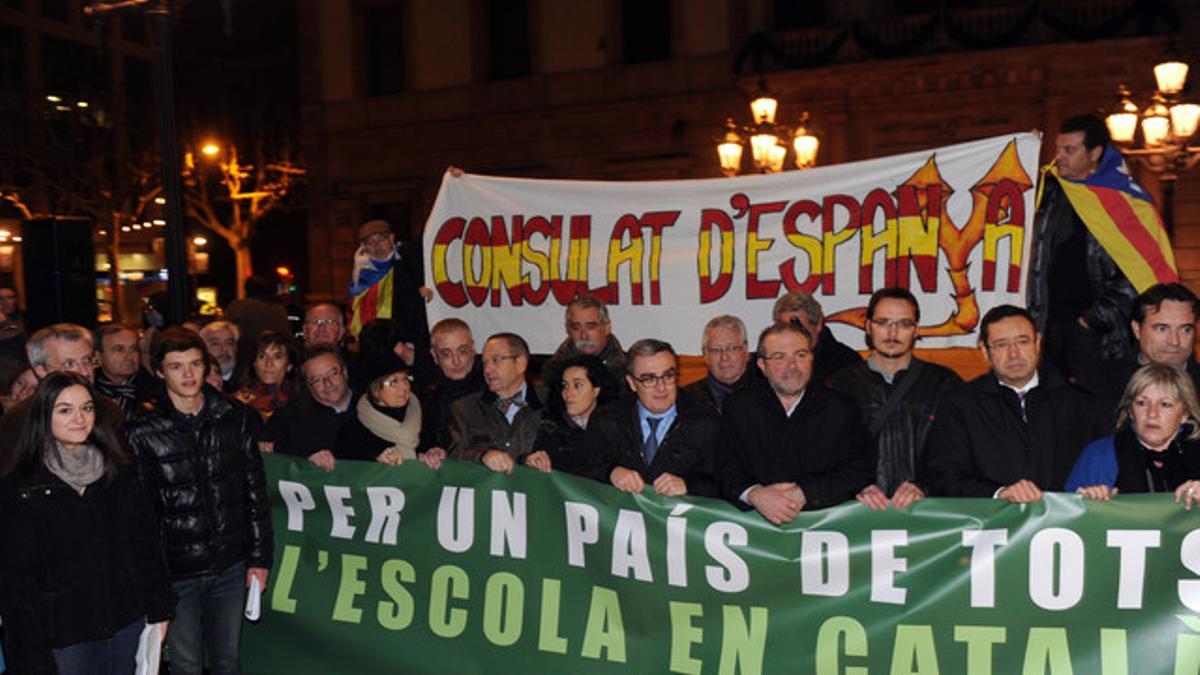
(1156, 447)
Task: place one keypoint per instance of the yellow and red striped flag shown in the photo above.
(1120, 215)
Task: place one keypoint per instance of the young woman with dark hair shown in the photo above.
(83, 568)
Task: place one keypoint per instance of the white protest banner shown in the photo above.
(950, 224)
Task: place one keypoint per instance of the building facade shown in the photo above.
(395, 92)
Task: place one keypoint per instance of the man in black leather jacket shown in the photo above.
(197, 453)
(1078, 297)
(897, 394)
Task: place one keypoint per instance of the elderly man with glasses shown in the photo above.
(726, 352)
(307, 426)
(659, 437)
(785, 446)
(497, 426)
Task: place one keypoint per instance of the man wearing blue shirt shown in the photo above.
(661, 436)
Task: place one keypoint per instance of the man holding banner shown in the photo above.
(785, 446)
(1098, 242)
(1014, 432)
(386, 284)
(660, 437)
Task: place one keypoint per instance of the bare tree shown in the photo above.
(231, 199)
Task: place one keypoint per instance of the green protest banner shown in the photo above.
(405, 570)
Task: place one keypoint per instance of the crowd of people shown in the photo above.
(131, 473)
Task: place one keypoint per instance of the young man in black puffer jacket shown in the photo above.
(197, 453)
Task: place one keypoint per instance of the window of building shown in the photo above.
(645, 30)
(76, 80)
(508, 39)
(385, 49)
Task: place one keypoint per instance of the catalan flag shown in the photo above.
(1120, 215)
(371, 293)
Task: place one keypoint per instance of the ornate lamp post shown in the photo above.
(768, 148)
(1168, 125)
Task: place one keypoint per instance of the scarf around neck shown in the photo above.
(79, 469)
(403, 434)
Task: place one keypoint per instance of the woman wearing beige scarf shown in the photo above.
(387, 420)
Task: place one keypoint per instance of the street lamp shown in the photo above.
(1168, 124)
(768, 147)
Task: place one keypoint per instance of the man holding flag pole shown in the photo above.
(1098, 242)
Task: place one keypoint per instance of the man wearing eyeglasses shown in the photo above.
(323, 326)
(61, 346)
(1014, 432)
(459, 374)
(785, 445)
(897, 394)
(726, 352)
(660, 437)
(307, 426)
(497, 426)
(589, 331)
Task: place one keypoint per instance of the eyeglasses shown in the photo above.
(902, 324)
(732, 350)
(651, 379)
(327, 378)
(463, 352)
(322, 322)
(397, 380)
(497, 360)
(779, 357)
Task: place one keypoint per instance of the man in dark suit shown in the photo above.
(658, 437)
(786, 445)
(1014, 432)
(497, 426)
(727, 355)
(1164, 327)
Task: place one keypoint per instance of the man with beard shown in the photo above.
(1014, 432)
(897, 394)
(221, 338)
(786, 446)
(590, 332)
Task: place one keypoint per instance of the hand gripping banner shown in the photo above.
(508, 254)
(405, 570)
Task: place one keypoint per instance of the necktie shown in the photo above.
(650, 447)
(515, 399)
(1021, 398)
